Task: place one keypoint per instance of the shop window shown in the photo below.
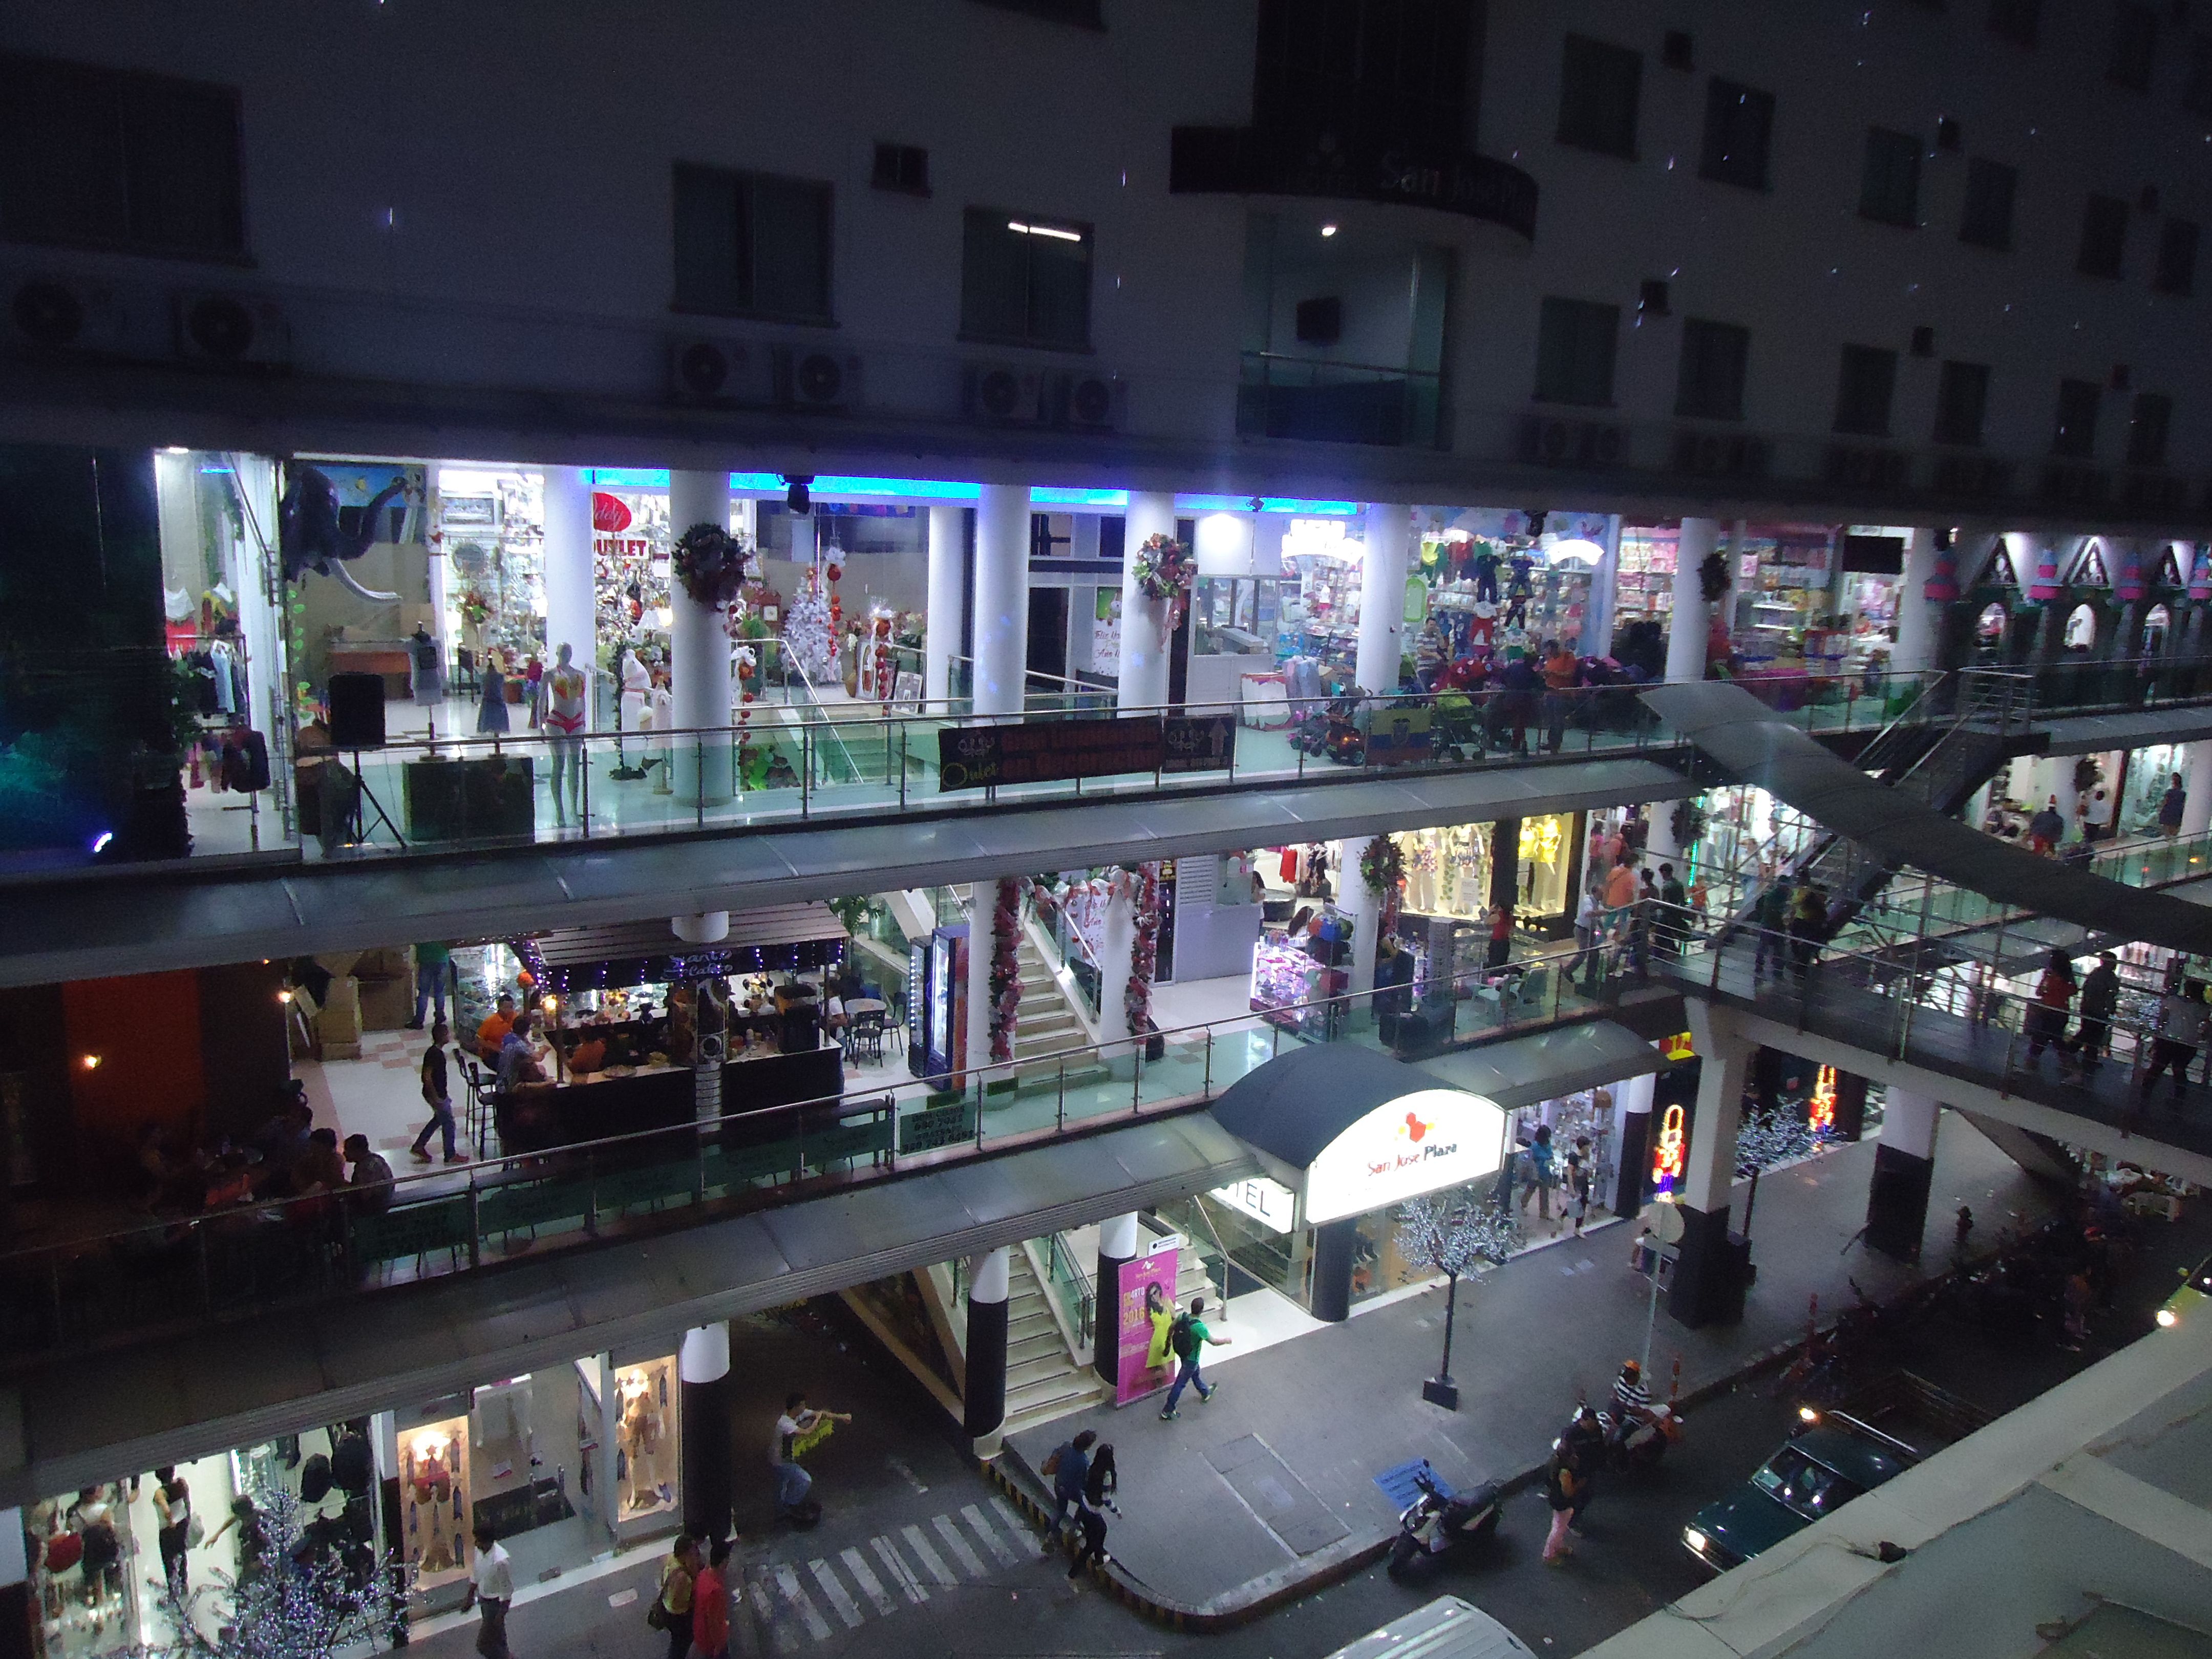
(1739, 130)
(1025, 280)
(2197, 90)
(1599, 88)
(2177, 258)
(93, 157)
(2016, 20)
(1889, 184)
(2081, 628)
(1986, 221)
(2076, 435)
(2134, 48)
(751, 245)
(1962, 399)
(2104, 236)
(2147, 421)
(1709, 384)
(1864, 384)
(1574, 345)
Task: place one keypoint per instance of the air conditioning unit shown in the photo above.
(1008, 394)
(824, 382)
(223, 329)
(65, 314)
(715, 374)
(1098, 403)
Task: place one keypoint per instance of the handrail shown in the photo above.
(1084, 1310)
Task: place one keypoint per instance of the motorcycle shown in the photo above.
(1626, 1443)
(1434, 1526)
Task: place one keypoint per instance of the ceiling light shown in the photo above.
(1053, 231)
(1328, 230)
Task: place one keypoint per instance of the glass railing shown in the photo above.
(1070, 949)
(1281, 396)
(195, 1270)
(1069, 1285)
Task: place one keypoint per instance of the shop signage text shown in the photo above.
(1270, 1203)
(1419, 1143)
(976, 757)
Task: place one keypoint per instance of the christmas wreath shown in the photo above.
(1381, 866)
(710, 562)
(1006, 969)
(1164, 569)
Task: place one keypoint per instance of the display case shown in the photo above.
(1289, 987)
(1644, 587)
(433, 1505)
(648, 1402)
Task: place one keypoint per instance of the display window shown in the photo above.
(1643, 587)
(1447, 870)
(492, 530)
(648, 1400)
(1784, 577)
(434, 1497)
(1548, 847)
(2149, 771)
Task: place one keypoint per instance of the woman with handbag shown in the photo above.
(670, 1611)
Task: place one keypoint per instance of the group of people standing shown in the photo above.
(2175, 1038)
(1628, 915)
(1790, 919)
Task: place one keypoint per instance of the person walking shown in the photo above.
(710, 1604)
(1770, 915)
(1563, 1486)
(2047, 829)
(1501, 936)
(1188, 1337)
(2100, 999)
(2046, 1024)
(2180, 1030)
(173, 1506)
(491, 1592)
(434, 972)
(1068, 1468)
(1578, 1182)
(1675, 915)
(2171, 806)
(1587, 952)
(437, 1095)
(1542, 1166)
(672, 1610)
(1808, 920)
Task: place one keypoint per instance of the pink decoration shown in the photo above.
(2045, 585)
(1943, 584)
(2128, 584)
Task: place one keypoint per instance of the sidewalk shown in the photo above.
(1275, 1479)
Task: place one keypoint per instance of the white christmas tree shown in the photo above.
(806, 634)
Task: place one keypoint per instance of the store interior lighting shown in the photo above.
(1053, 231)
(1574, 549)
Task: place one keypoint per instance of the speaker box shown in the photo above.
(357, 711)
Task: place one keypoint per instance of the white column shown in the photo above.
(1002, 599)
(1659, 839)
(941, 639)
(1382, 603)
(705, 1355)
(571, 595)
(1598, 613)
(1908, 1121)
(699, 696)
(1117, 1236)
(2196, 810)
(1916, 611)
(1117, 944)
(2063, 786)
(1146, 646)
(1364, 905)
(1686, 627)
(1710, 1170)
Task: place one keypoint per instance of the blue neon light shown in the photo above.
(1292, 505)
(1043, 497)
(833, 486)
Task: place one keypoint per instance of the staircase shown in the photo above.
(1046, 1378)
(1048, 1024)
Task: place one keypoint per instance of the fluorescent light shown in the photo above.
(1053, 231)
(1328, 230)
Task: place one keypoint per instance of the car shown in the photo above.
(2196, 1291)
(1829, 1462)
(1446, 1628)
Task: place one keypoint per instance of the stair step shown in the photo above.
(1032, 1347)
(1037, 1372)
(1067, 1392)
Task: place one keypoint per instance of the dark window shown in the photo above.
(1085, 13)
(2104, 236)
(1739, 128)
(2197, 90)
(1962, 395)
(2134, 48)
(2177, 258)
(2146, 425)
(94, 157)
(1368, 77)
(1710, 385)
(2016, 20)
(1025, 280)
(1599, 85)
(1864, 385)
(901, 168)
(751, 244)
(1986, 221)
(1889, 184)
(1575, 342)
(2074, 434)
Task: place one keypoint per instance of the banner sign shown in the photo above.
(1398, 736)
(1047, 751)
(1147, 1287)
(1198, 743)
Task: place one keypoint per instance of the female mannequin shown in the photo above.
(664, 717)
(566, 692)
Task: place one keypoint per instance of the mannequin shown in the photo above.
(566, 689)
(636, 683)
(426, 662)
(663, 718)
(491, 713)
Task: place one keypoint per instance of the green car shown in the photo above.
(2195, 1292)
(1819, 1470)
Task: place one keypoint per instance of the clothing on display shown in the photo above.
(434, 1502)
(645, 1444)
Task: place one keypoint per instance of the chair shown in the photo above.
(865, 1037)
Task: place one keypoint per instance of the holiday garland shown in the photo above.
(1164, 570)
(1143, 949)
(1381, 866)
(1006, 967)
(710, 562)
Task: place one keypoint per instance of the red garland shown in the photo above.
(1144, 949)
(1006, 967)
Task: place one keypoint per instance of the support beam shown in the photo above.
(985, 1406)
(1002, 599)
(1142, 670)
(1903, 1167)
(2196, 810)
(571, 589)
(1686, 627)
(1711, 1273)
(1117, 1247)
(1383, 599)
(1917, 613)
(941, 639)
(702, 1364)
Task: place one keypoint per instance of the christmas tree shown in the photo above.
(806, 633)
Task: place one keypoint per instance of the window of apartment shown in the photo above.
(1575, 342)
(1598, 86)
(1962, 399)
(93, 157)
(751, 245)
(1709, 384)
(2074, 435)
(2197, 90)
(2148, 421)
(2104, 236)
(2134, 48)
(1889, 183)
(2177, 258)
(1739, 130)
(1864, 382)
(2016, 20)
(1986, 220)
(1025, 280)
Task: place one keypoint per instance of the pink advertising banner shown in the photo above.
(1148, 1285)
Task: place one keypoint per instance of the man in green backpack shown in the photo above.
(1187, 1341)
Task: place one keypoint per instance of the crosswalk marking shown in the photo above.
(953, 1541)
(896, 1565)
(786, 1580)
(929, 1558)
(871, 1586)
(766, 1613)
(989, 1534)
(1024, 1539)
(840, 1598)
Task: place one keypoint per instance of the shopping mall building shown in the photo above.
(514, 475)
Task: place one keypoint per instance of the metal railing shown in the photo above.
(1073, 951)
(1067, 1281)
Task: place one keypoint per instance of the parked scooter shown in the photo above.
(1624, 1442)
(1434, 1527)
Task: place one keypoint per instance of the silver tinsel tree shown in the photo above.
(1768, 1140)
(1452, 1233)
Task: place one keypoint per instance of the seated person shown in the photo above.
(322, 1169)
(589, 1055)
(516, 1051)
(231, 1181)
(493, 1032)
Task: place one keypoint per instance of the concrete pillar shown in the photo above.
(1117, 1247)
(1383, 599)
(2063, 786)
(1903, 1167)
(1364, 905)
(571, 592)
(1631, 1141)
(1146, 645)
(1686, 626)
(702, 1364)
(1002, 599)
(984, 1415)
(1659, 838)
(1918, 616)
(941, 639)
(2196, 810)
(1117, 944)
(1709, 1276)
(699, 643)
(1599, 611)
(1336, 1243)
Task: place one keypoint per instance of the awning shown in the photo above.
(781, 937)
(1544, 1065)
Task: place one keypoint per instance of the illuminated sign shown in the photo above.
(1677, 1047)
(1419, 1143)
(1270, 1203)
(1821, 1111)
(1668, 1154)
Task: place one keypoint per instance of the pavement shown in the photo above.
(1271, 1487)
